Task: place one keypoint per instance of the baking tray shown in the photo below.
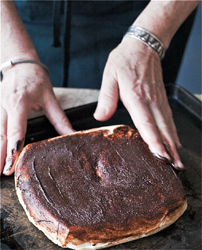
(18, 233)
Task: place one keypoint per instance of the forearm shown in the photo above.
(163, 18)
(15, 40)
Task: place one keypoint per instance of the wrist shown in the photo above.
(139, 50)
(157, 21)
(163, 18)
(148, 39)
(163, 39)
(9, 65)
(20, 55)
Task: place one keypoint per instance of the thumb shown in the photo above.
(108, 99)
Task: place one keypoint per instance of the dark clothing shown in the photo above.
(92, 29)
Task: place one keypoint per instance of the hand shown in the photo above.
(133, 73)
(25, 87)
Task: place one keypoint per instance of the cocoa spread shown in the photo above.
(99, 182)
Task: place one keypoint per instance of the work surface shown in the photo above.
(18, 233)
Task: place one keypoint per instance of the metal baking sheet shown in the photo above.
(18, 233)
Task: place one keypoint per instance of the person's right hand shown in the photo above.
(133, 74)
(25, 87)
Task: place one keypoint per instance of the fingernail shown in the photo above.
(179, 166)
(101, 111)
(167, 156)
(18, 144)
(11, 159)
(164, 156)
(9, 165)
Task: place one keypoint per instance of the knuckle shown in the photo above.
(156, 94)
(13, 97)
(13, 133)
(62, 121)
(136, 94)
(3, 137)
(107, 97)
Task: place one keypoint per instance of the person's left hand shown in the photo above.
(25, 87)
(133, 73)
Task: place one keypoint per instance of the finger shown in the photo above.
(108, 98)
(170, 119)
(16, 130)
(168, 133)
(3, 138)
(56, 115)
(146, 125)
(167, 128)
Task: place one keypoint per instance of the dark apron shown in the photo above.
(74, 38)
